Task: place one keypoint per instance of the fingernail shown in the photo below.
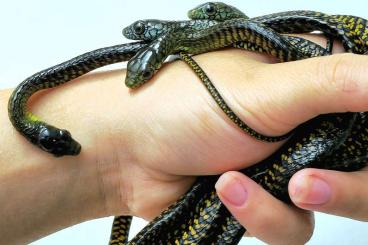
(232, 190)
(310, 190)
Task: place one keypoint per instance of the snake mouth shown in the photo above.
(133, 83)
(193, 14)
(76, 149)
(130, 84)
(190, 13)
(126, 32)
(73, 150)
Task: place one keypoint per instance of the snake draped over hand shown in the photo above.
(199, 217)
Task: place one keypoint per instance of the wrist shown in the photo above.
(43, 191)
(75, 107)
(98, 123)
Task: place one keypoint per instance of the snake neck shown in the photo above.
(235, 30)
(51, 139)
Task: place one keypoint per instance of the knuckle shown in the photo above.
(304, 228)
(355, 205)
(337, 74)
(296, 230)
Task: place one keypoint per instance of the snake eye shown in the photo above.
(210, 9)
(147, 74)
(46, 140)
(47, 143)
(65, 135)
(139, 28)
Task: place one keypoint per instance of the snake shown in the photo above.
(352, 31)
(230, 228)
(199, 216)
(49, 138)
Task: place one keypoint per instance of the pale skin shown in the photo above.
(142, 148)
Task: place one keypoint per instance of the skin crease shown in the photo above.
(155, 138)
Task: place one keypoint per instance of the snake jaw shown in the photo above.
(133, 79)
(136, 80)
(132, 83)
(192, 14)
(127, 32)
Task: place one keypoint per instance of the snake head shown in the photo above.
(215, 11)
(57, 142)
(141, 68)
(145, 29)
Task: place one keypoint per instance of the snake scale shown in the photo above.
(150, 28)
(199, 217)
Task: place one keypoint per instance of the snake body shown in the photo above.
(328, 136)
(49, 138)
(351, 30)
(219, 36)
(209, 222)
(199, 217)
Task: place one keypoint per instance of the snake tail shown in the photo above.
(120, 230)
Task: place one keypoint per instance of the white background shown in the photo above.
(37, 34)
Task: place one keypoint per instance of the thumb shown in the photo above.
(338, 193)
(262, 214)
(275, 98)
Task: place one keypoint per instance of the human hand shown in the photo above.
(189, 135)
(142, 156)
(342, 84)
(187, 139)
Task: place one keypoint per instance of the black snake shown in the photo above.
(199, 217)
